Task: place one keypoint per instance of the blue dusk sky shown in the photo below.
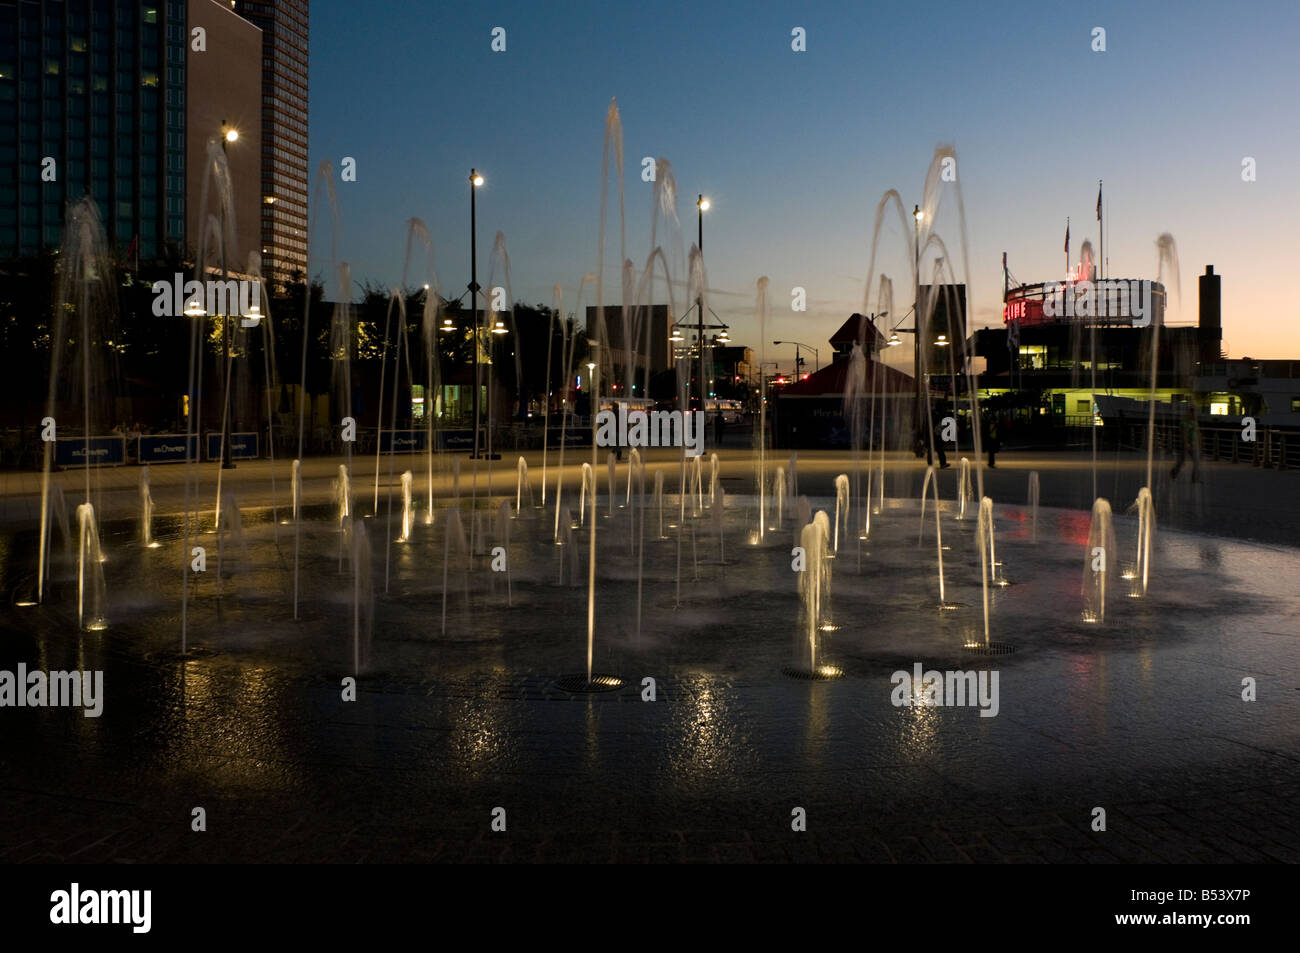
(795, 149)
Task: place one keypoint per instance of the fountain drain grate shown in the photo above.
(823, 673)
(192, 653)
(579, 683)
(990, 648)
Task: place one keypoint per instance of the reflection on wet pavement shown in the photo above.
(1142, 715)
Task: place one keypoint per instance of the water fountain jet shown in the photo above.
(1096, 571)
(522, 484)
(841, 507)
(1033, 505)
(963, 489)
(146, 511)
(90, 571)
(1146, 530)
(778, 496)
(408, 514)
(363, 596)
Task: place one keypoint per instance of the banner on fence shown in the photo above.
(166, 448)
(243, 446)
(455, 440)
(99, 451)
(402, 441)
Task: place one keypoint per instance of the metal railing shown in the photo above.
(1273, 448)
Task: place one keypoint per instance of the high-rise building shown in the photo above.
(92, 102)
(118, 100)
(284, 133)
(223, 87)
(660, 357)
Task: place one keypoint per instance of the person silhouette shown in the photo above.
(992, 440)
(618, 445)
(935, 437)
(1188, 444)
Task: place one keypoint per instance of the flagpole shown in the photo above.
(1067, 246)
(1101, 232)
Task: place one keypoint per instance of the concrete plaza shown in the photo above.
(1143, 717)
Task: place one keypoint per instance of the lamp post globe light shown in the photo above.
(698, 340)
(475, 183)
(229, 134)
(702, 205)
(922, 412)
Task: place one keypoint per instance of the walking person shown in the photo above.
(992, 441)
(618, 446)
(926, 440)
(1188, 444)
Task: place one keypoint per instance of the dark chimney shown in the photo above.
(1210, 325)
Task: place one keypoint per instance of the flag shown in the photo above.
(1099, 201)
(1067, 236)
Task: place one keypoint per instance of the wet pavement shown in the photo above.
(1142, 715)
(1234, 500)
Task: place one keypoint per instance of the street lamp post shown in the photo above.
(228, 135)
(872, 320)
(475, 180)
(702, 205)
(922, 387)
(798, 344)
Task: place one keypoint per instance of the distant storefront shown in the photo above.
(812, 412)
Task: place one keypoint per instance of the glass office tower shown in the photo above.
(92, 102)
